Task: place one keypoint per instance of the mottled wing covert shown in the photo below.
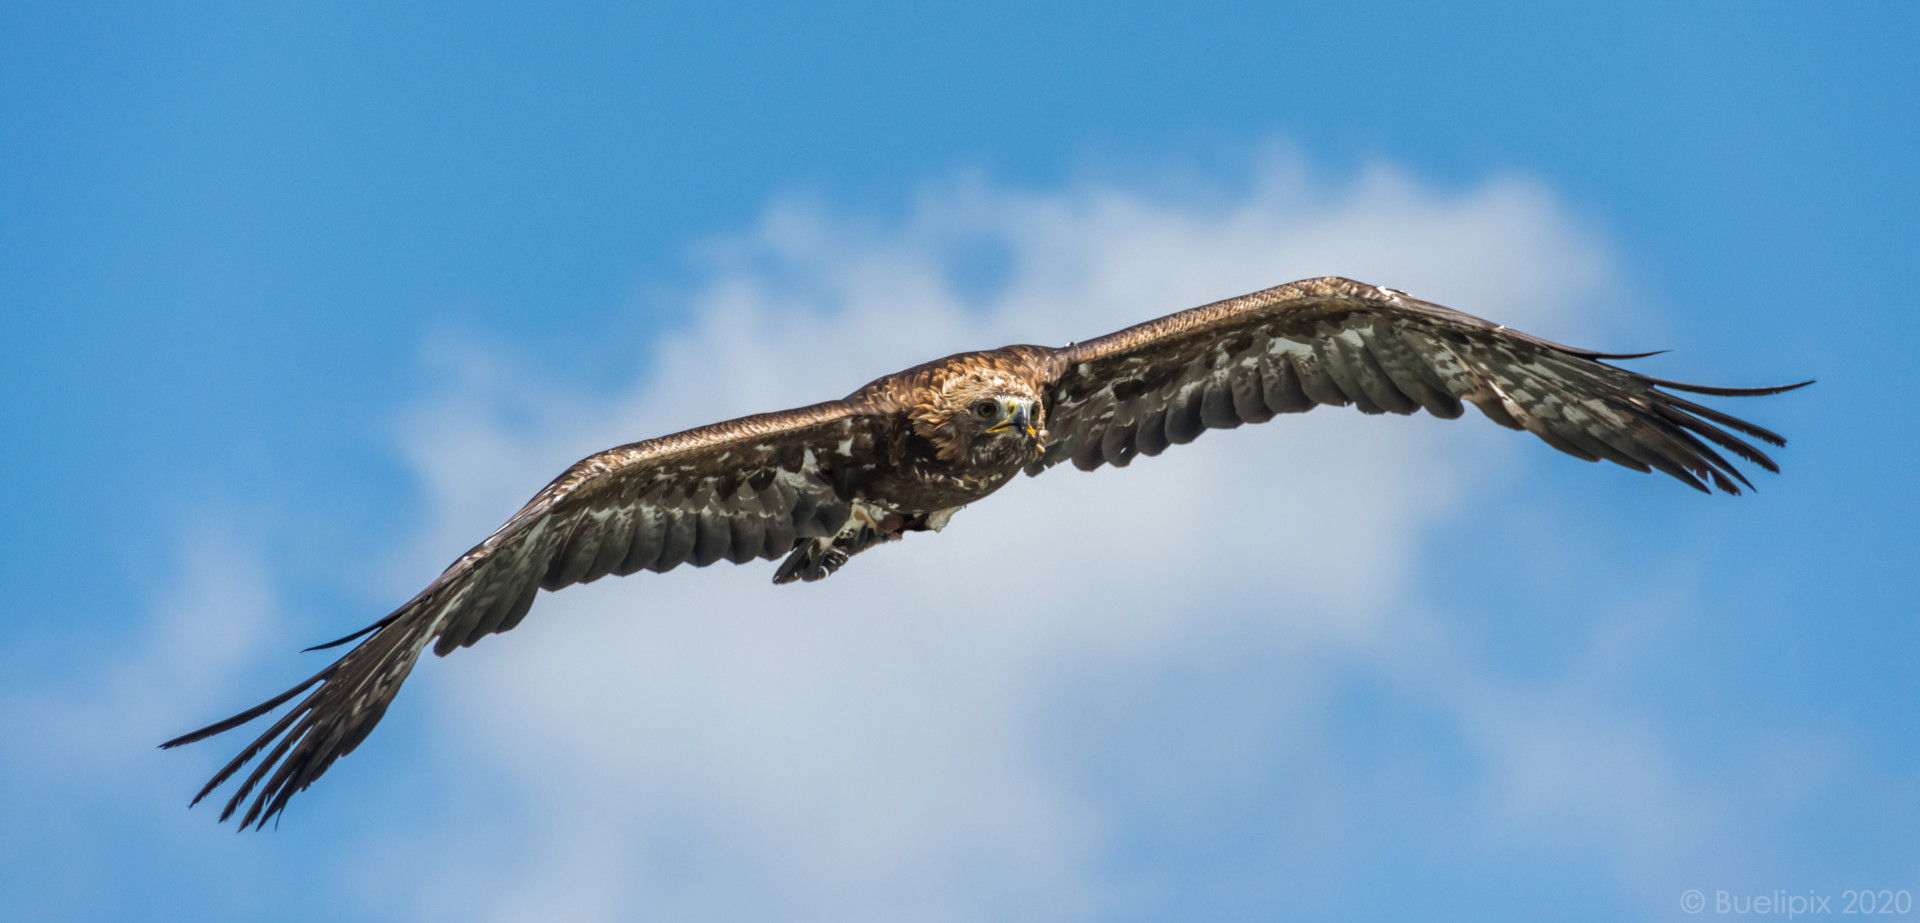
(736, 491)
(1335, 341)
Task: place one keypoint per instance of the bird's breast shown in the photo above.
(924, 485)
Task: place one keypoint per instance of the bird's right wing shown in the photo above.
(738, 490)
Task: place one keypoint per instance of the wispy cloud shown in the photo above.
(207, 622)
(900, 742)
(79, 771)
(1093, 693)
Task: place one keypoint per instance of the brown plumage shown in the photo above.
(820, 484)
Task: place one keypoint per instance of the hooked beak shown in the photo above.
(1019, 419)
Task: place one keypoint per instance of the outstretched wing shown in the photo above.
(1337, 341)
(738, 490)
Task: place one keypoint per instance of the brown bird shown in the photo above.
(823, 483)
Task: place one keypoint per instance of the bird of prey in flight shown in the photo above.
(817, 485)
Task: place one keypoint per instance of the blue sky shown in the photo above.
(301, 302)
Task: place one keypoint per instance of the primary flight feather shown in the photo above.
(819, 484)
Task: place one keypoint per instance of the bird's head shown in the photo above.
(985, 413)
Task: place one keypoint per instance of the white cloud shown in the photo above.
(208, 622)
(891, 743)
(78, 733)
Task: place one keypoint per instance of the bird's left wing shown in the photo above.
(738, 490)
(1338, 342)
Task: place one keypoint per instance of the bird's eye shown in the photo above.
(984, 410)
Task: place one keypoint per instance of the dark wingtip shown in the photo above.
(245, 716)
(1730, 392)
(364, 631)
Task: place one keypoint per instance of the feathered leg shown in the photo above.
(815, 558)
